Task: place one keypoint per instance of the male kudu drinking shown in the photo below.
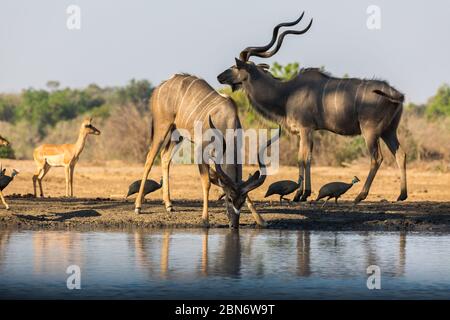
(313, 100)
(179, 103)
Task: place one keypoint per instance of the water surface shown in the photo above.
(215, 264)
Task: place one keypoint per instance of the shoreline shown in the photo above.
(28, 213)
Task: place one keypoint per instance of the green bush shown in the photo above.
(439, 104)
(6, 152)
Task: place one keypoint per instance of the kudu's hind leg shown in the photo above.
(391, 140)
(158, 140)
(376, 158)
(206, 185)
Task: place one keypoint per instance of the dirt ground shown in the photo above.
(100, 189)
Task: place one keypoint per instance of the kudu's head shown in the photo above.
(3, 142)
(235, 192)
(88, 128)
(245, 70)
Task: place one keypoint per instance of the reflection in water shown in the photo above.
(402, 254)
(165, 254)
(204, 260)
(65, 245)
(230, 263)
(303, 253)
(213, 263)
(4, 240)
(225, 259)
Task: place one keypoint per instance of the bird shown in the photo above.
(149, 187)
(4, 182)
(283, 188)
(335, 190)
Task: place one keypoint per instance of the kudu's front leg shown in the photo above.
(304, 160)
(4, 201)
(259, 220)
(166, 158)
(154, 149)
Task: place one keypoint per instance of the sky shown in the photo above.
(120, 40)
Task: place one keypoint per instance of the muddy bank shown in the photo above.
(97, 213)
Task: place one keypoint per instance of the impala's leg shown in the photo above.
(376, 158)
(165, 166)
(391, 140)
(36, 174)
(4, 201)
(306, 145)
(259, 220)
(67, 172)
(158, 140)
(40, 168)
(41, 176)
(206, 185)
(72, 169)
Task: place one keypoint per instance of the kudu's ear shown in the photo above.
(241, 64)
(214, 178)
(253, 182)
(264, 66)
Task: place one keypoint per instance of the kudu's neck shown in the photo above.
(81, 142)
(267, 96)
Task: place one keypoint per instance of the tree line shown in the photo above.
(43, 109)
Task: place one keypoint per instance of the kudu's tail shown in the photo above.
(394, 96)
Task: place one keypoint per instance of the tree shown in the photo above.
(439, 104)
(137, 92)
(286, 72)
(53, 85)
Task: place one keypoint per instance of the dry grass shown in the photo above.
(111, 179)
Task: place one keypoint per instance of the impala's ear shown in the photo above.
(241, 64)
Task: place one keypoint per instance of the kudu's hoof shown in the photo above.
(262, 224)
(358, 199)
(402, 197)
(137, 210)
(170, 209)
(297, 197)
(205, 223)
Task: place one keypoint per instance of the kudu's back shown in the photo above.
(185, 99)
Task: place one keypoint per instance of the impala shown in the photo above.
(61, 155)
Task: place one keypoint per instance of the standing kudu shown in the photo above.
(179, 103)
(314, 100)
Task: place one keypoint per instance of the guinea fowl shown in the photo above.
(335, 190)
(149, 187)
(283, 188)
(4, 182)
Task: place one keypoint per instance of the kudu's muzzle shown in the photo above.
(234, 220)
